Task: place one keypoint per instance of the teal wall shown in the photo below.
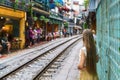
(108, 41)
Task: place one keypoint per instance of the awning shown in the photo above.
(91, 6)
(78, 27)
(54, 3)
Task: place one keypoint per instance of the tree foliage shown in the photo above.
(86, 2)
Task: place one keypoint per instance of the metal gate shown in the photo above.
(108, 41)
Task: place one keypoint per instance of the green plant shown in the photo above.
(85, 25)
(35, 18)
(46, 20)
(15, 4)
(29, 8)
(23, 4)
(42, 17)
(66, 24)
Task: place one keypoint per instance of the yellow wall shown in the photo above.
(16, 14)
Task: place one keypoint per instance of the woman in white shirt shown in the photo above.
(88, 57)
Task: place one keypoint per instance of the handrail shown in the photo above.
(10, 4)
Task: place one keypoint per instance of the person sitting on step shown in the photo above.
(5, 43)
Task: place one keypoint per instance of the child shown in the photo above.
(88, 57)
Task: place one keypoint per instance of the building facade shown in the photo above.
(12, 19)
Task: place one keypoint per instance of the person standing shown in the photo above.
(38, 34)
(31, 36)
(88, 57)
(35, 35)
(27, 37)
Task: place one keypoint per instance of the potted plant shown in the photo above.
(66, 24)
(15, 4)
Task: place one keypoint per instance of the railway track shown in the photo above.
(36, 65)
(50, 71)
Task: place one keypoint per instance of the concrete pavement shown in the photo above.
(69, 69)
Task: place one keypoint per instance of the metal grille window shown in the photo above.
(108, 41)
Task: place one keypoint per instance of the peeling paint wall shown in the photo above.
(108, 41)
